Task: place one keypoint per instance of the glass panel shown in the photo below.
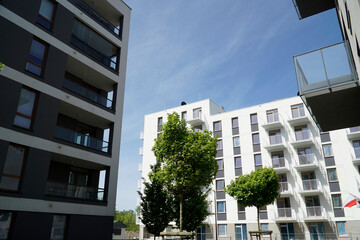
(37, 52)
(217, 126)
(46, 9)
(219, 145)
(58, 227)
(220, 164)
(9, 183)
(222, 229)
(332, 175)
(26, 102)
(22, 122)
(327, 150)
(337, 203)
(256, 138)
(341, 227)
(221, 207)
(253, 118)
(235, 122)
(219, 185)
(14, 160)
(5, 220)
(236, 142)
(33, 68)
(238, 162)
(258, 159)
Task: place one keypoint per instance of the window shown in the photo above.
(197, 113)
(258, 161)
(5, 222)
(221, 207)
(159, 124)
(332, 176)
(327, 150)
(241, 208)
(305, 156)
(222, 229)
(236, 141)
(26, 108)
(46, 13)
(275, 137)
(217, 126)
(342, 229)
(278, 159)
(220, 185)
(58, 227)
(183, 115)
(272, 115)
(198, 128)
(220, 163)
(238, 163)
(13, 166)
(37, 57)
(297, 110)
(263, 209)
(355, 129)
(219, 145)
(264, 227)
(336, 200)
(301, 133)
(253, 118)
(235, 122)
(255, 138)
(356, 145)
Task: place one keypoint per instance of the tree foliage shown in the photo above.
(259, 188)
(1, 66)
(156, 206)
(187, 159)
(128, 217)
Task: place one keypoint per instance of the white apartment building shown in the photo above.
(317, 171)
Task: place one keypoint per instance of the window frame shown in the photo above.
(332, 152)
(238, 208)
(253, 140)
(328, 175)
(217, 206)
(225, 225)
(184, 115)
(217, 123)
(42, 67)
(237, 122)
(22, 167)
(332, 201)
(51, 22)
(238, 157)
(297, 108)
(337, 229)
(223, 185)
(222, 163)
(236, 137)
(256, 119)
(258, 165)
(11, 224)
(276, 135)
(33, 108)
(274, 114)
(65, 226)
(219, 146)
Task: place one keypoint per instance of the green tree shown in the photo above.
(195, 209)
(128, 217)
(259, 188)
(156, 205)
(187, 157)
(1, 66)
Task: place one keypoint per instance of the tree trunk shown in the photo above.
(258, 217)
(181, 212)
(154, 237)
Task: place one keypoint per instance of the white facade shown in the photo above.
(295, 150)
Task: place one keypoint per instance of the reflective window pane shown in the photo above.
(58, 227)
(46, 9)
(5, 221)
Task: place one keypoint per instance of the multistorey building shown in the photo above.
(61, 91)
(317, 171)
(328, 77)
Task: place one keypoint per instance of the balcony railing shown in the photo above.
(82, 91)
(74, 191)
(107, 61)
(278, 162)
(81, 139)
(311, 185)
(302, 135)
(306, 159)
(284, 213)
(357, 152)
(325, 68)
(105, 23)
(355, 129)
(275, 139)
(284, 187)
(315, 211)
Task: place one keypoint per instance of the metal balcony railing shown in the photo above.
(74, 191)
(97, 17)
(325, 68)
(82, 91)
(81, 139)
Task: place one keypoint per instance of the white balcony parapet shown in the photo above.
(285, 215)
(141, 151)
(353, 133)
(285, 189)
(275, 143)
(139, 184)
(299, 120)
(302, 140)
(312, 186)
(195, 120)
(280, 165)
(272, 125)
(141, 135)
(140, 167)
(315, 213)
(306, 162)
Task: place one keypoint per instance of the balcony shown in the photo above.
(275, 143)
(196, 119)
(141, 151)
(140, 167)
(299, 120)
(280, 165)
(272, 125)
(67, 190)
(285, 215)
(307, 162)
(309, 187)
(81, 139)
(139, 184)
(88, 94)
(302, 139)
(353, 133)
(285, 189)
(315, 213)
(98, 18)
(141, 135)
(327, 83)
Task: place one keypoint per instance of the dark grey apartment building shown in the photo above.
(61, 104)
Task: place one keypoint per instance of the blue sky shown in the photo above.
(237, 53)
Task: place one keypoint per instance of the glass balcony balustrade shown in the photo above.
(81, 139)
(325, 68)
(74, 191)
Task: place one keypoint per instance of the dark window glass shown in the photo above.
(26, 108)
(36, 59)
(46, 13)
(235, 122)
(238, 163)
